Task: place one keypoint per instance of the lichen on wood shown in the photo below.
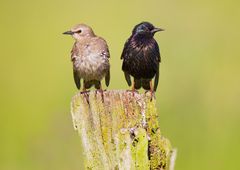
(120, 132)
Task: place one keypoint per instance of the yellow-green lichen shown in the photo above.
(120, 131)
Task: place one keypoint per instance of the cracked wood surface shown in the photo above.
(121, 132)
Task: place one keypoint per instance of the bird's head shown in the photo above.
(79, 31)
(145, 29)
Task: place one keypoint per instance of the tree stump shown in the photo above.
(120, 132)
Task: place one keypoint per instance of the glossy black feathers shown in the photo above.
(141, 56)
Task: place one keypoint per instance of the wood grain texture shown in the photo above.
(120, 133)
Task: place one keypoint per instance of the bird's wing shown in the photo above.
(101, 46)
(74, 52)
(156, 79)
(158, 57)
(128, 78)
(107, 78)
(76, 77)
(125, 49)
(124, 56)
(157, 51)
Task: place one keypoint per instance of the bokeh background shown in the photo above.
(198, 98)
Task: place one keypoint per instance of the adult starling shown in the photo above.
(90, 57)
(141, 57)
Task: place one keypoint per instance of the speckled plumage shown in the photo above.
(141, 57)
(90, 57)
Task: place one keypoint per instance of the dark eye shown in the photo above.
(79, 31)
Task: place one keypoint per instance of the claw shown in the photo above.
(133, 90)
(152, 93)
(85, 94)
(101, 92)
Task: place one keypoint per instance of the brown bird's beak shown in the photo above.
(68, 33)
(157, 30)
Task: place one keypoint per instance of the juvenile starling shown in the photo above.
(141, 57)
(90, 57)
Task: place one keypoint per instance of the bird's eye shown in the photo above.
(79, 31)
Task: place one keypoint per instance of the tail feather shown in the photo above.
(137, 83)
(97, 84)
(146, 84)
(89, 84)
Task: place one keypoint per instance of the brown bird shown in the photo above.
(90, 57)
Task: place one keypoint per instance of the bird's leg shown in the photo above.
(85, 93)
(151, 90)
(133, 89)
(101, 91)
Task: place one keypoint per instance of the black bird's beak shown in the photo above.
(157, 30)
(68, 33)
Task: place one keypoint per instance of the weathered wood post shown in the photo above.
(121, 133)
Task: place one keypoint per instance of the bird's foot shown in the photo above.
(101, 92)
(152, 94)
(85, 93)
(133, 91)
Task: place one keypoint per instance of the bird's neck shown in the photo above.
(142, 39)
(91, 34)
(85, 37)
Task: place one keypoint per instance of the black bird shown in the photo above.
(141, 57)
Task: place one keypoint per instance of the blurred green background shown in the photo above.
(198, 97)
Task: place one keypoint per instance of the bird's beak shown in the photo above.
(68, 33)
(157, 30)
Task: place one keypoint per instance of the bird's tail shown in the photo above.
(144, 83)
(89, 84)
(137, 83)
